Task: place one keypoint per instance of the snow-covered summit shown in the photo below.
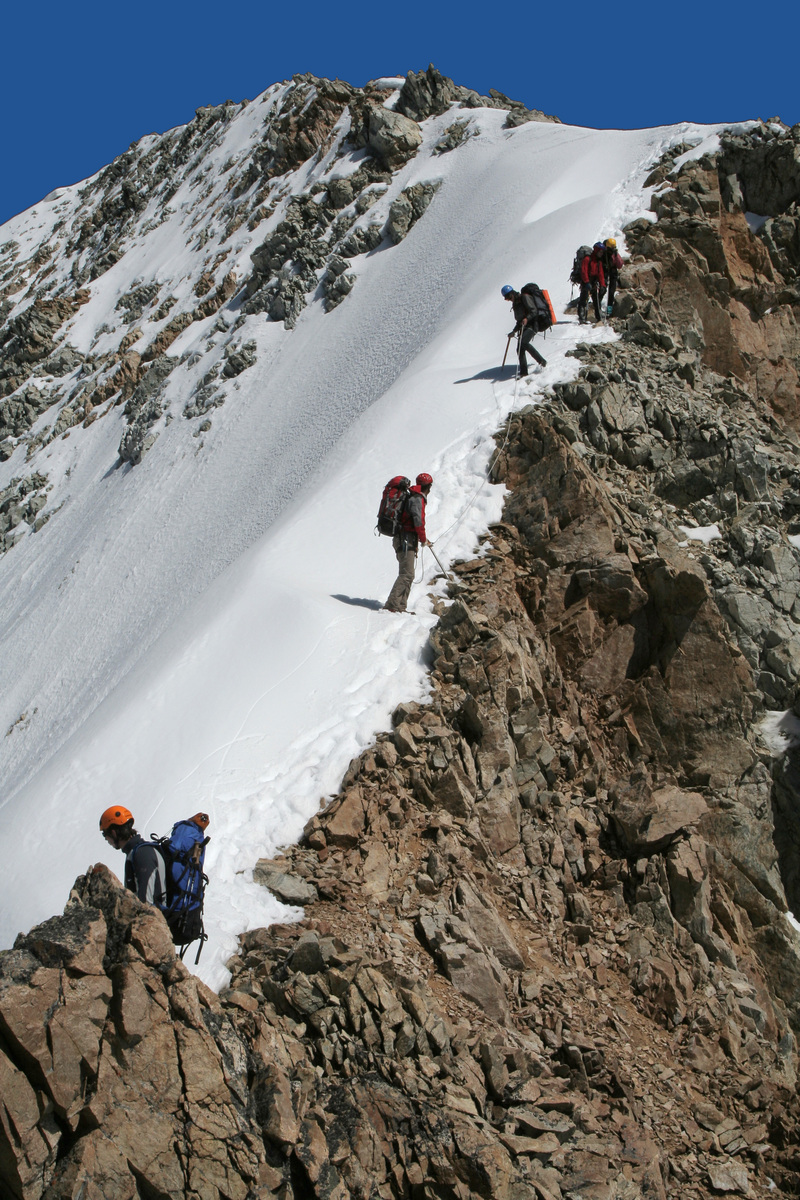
(214, 354)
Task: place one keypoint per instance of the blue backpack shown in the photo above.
(184, 853)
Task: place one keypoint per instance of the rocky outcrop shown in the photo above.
(27, 342)
(392, 138)
(429, 93)
(122, 1075)
(337, 282)
(22, 506)
(20, 411)
(306, 124)
(736, 289)
(143, 410)
(286, 264)
(407, 209)
(454, 136)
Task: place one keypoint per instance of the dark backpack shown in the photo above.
(393, 501)
(575, 273)
(184, 853)
(544, 318)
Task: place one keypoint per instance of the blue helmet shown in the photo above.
(506, 290)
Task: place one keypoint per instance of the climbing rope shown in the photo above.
(457, 521)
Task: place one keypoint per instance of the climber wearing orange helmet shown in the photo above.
(145, 873)
(406, 542)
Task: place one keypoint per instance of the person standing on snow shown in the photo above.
(408, 540)
(613, 265)
(527, 326)
(145, 872)
(593, 282)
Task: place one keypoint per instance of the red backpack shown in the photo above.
(392, 504)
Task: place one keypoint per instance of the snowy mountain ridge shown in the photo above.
(189, 615)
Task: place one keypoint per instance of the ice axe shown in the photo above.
(505, 356)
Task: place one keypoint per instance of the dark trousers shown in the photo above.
(589, 289)
(613, 277)
(526, 346)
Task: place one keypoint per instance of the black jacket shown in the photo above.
(524, 308)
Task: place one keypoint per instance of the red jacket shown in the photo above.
(592, 269)
(413, 517)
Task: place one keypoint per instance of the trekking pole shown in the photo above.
(438, 561)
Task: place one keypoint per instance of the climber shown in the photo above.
(612, 264)
(407, 541)
(527, 326)
(593, 282)
(145, 872)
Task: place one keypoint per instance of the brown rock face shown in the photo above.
(428, 93)
(739, 291)
(30, 338)
(120, 1072)
(308, 125)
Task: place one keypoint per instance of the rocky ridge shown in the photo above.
(545, 951)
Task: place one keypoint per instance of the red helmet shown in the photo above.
(115, 816)
(201, 820)
(424, 478)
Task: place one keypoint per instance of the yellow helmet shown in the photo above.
(611, 243)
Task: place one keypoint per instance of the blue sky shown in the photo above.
(81, 81)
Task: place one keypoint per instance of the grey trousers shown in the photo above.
(406, 560)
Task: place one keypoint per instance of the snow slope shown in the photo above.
(202, 631)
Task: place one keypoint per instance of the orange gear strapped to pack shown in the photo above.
(546, 295)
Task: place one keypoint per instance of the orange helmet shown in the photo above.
(115, 816)
(200, 819)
